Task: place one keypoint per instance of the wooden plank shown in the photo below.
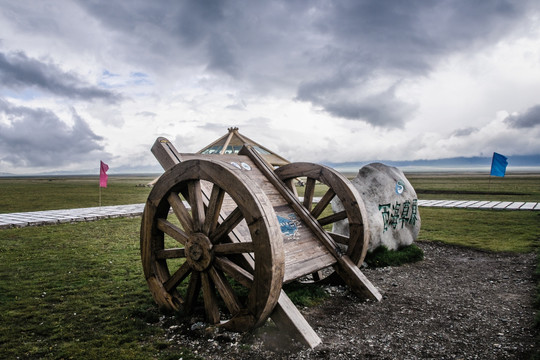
(285, 315)
(348, 271)
(490, 205)
(515, 205)
(466, 204)
(305, 267)
(528, 206)
(449, 204)
(443, 203)
(289, 320)
(165, 153)
(477, 204)
(437, 202)
(502, 205)
(456, 203)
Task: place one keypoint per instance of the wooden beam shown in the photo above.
(348, 271)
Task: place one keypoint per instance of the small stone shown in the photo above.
(197, 326)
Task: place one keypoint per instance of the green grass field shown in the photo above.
(52, 193)
(77, 290)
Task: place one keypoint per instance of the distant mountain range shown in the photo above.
(476, 163)
(517, 162)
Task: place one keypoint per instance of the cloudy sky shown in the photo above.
(323, 81)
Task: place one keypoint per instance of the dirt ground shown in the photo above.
(457, 303)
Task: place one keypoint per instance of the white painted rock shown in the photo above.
(391, 204)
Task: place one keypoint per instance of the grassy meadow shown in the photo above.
(56, 192)
(77, 290)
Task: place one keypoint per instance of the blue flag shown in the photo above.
(498, 165)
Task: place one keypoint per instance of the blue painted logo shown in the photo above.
(288, 226)
(400, 187)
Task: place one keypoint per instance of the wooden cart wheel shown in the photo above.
(344, 196)
(228, 245)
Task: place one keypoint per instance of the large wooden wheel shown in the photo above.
(340, 205)
(227, 246)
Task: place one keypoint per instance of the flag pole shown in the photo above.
(102, 177)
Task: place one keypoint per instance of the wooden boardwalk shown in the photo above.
(49, 217)
(475, 204)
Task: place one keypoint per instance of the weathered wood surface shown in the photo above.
(347, 270)
(204, 233)
(304, 253)
(285, 315)
(339, 189)
(307, 247)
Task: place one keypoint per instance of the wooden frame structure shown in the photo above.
(233, 141)
(243, 234)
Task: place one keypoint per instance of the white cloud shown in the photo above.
(338, 81)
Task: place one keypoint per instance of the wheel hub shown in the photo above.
(199, 252)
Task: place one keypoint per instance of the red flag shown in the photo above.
(103, 174)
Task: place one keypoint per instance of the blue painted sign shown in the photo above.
(288, 226)
(400, 187)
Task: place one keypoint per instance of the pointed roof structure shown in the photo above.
(232, 142)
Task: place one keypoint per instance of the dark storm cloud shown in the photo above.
(37, 137)
(409, 36)
(324, 52)
(528, 119)
(382, 109)
(401, 39)
(19, 72)
(465, 132)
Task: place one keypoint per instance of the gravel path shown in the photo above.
(456, 304)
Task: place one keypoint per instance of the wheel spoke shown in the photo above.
(172, 230)
(197, 204)
(225, 291)
(177, 277)
(233, 270)
(342, 215)
(317, 275)
(291, 185)
(227, 225)
(174, 253)
(210, 299)
(340, 239)
(233, 248)
(214, 209)
(181, 212)
(308, 193)
(194, 287)
(321, 205)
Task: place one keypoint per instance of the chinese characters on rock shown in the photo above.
(399, 214)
